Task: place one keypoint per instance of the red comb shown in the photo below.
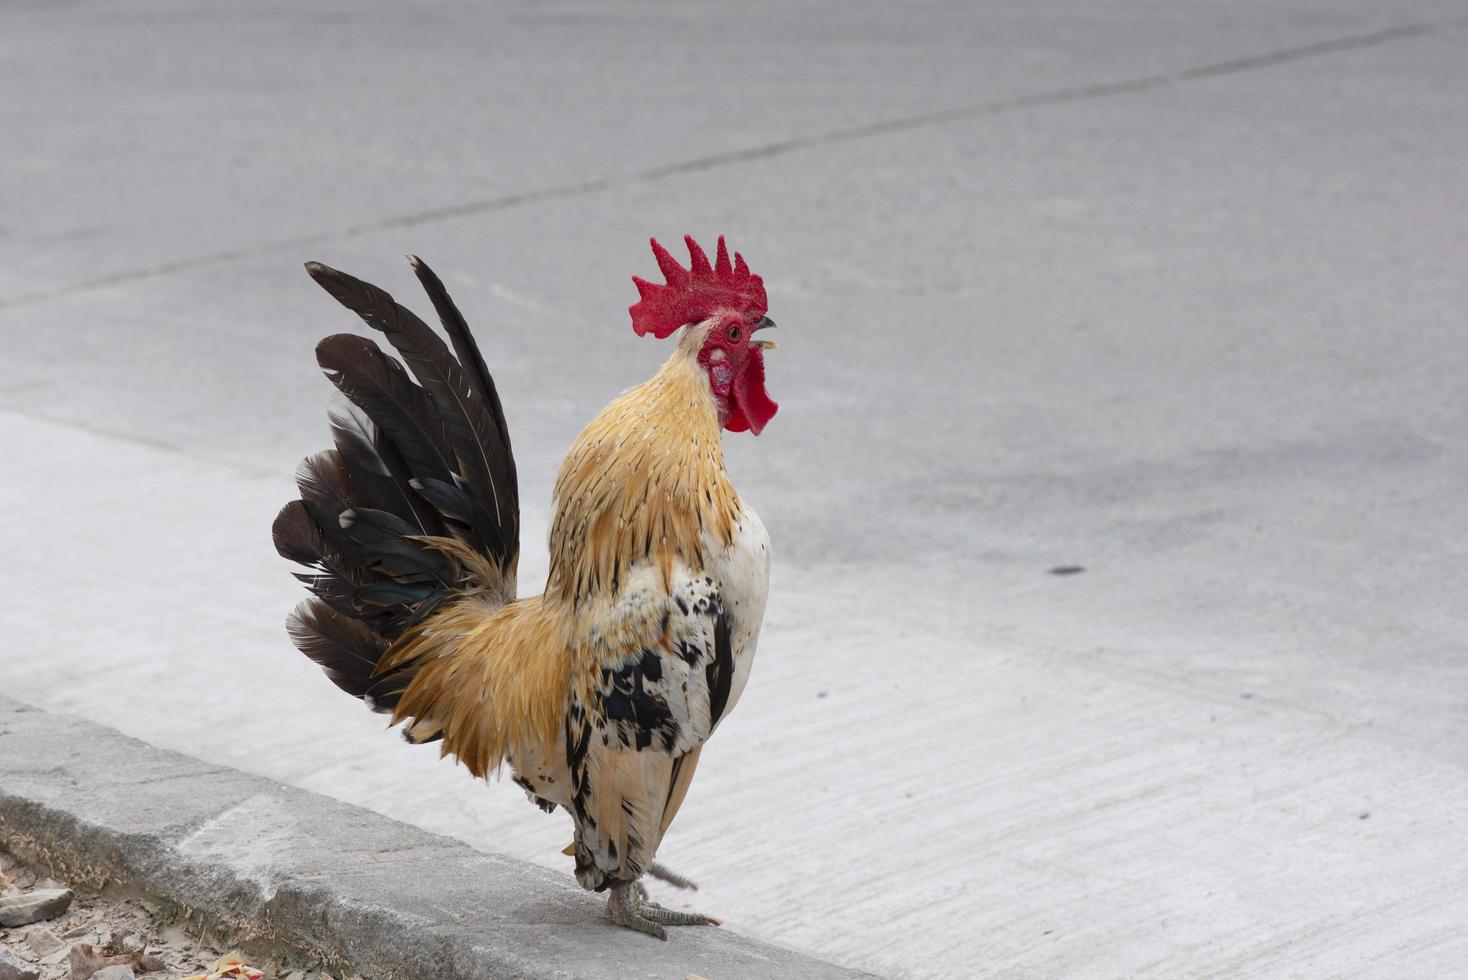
(693, 294)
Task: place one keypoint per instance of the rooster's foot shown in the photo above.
(630, 907)
(673, 878)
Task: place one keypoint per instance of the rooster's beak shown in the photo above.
(764, 323)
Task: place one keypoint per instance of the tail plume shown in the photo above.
(418, 500)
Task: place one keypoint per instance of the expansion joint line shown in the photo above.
(1059, 96)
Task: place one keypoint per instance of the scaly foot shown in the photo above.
(630, 907)
(671, 877)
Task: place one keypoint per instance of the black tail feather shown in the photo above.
(364, 563)
(476, 439)
(296, 535)
(381, 388)
(346, 649)
(386, 542)
(465, 346)
(326, 491)
(414, 460)
(375, 465)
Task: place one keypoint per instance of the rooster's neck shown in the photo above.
(645, 481)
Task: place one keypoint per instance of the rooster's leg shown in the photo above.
(623, 903)
(630, 907)
(671, 877)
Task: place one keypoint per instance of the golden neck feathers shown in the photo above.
(644, 481)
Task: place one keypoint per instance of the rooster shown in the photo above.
(600, 692)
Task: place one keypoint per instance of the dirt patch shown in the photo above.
(118, 926)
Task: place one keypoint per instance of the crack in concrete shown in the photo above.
(1059, 96)
(242, 467)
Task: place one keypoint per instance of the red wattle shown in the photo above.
(750, 406)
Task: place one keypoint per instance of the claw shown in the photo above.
(630, 907)
(672, 917)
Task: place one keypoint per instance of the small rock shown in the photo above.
(42, 941)
(13, 968)
(76, 932)
(85, 961)
(115, 973)
(22, 910)
(149, 963)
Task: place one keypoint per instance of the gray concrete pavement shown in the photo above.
(314, 880)
(1173, 292)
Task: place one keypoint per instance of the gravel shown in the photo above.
(110, 934)
(12, 967)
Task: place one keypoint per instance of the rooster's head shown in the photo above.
(718, 307)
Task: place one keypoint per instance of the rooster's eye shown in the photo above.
(734, 335)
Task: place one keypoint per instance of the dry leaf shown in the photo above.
(231, 967)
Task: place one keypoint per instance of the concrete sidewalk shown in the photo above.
(257, 861)
(1171, 292)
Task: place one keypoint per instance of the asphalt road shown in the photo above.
(1170, 292)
